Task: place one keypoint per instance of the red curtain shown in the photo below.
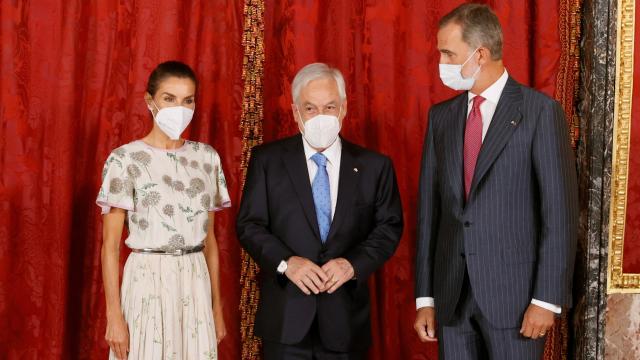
(631, 258)
(73, 74)
(387, 53)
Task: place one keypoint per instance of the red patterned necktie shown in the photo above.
(472, 143)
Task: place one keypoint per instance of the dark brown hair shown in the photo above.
(168, 69)
(480, 27)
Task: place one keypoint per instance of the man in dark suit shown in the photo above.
(319, 215)
(498, 209)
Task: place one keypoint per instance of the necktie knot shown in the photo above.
(477, 101)
(319, 159)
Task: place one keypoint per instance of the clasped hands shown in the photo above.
(311, 278)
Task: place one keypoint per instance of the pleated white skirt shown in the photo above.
(166, 302)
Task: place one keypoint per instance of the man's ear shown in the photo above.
(485, 55)
(344, 109)
(297, 117)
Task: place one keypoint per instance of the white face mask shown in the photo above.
(321, 131)
(451, 75)
(173, 120)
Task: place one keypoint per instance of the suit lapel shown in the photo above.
(505, 120)
(349, 178)
(296, 164)
(455, 139)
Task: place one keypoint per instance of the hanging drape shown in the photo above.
(387, 53)
(73, 75)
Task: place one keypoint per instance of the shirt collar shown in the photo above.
(332, 152)
(493, 92)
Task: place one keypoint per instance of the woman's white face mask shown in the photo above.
(172, 120)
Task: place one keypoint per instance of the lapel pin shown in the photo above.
(355, 169)
(514, 123)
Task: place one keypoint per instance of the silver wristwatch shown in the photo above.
(282, 267)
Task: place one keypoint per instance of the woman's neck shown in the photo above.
(158, 139)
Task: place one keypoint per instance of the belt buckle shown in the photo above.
(178, 252)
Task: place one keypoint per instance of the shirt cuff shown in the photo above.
(556, 309)
(424, 302)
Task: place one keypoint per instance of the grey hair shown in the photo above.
(480, 27)
(313, 72)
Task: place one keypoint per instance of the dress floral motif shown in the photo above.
(166, 193)
(166, 299)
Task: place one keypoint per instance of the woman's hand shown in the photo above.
(117, 336)
(221, 329)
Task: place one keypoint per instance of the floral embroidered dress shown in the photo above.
(166, 299)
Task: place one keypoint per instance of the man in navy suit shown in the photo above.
(498, 208)
(319, 215)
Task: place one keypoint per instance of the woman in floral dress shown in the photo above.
(166, 189)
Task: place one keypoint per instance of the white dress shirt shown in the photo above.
(487, 109)
(333, 154)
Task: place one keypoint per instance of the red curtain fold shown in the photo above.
(387, 53)
(72, 77)
(631, 258)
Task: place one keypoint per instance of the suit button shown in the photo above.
(462, 255)
(467, 224)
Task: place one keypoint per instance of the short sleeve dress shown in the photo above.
(166, 299)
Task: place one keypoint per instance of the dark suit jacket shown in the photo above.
(516, 234)
(277, 220)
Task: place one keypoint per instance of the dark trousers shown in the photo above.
(310, 348)
(471, 336)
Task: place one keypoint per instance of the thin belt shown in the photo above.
(175, 252)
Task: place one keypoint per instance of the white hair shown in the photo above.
(316, 71)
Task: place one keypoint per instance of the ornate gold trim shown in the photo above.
(556, 346)
(569, 69)
(618, 281)
(251, 127)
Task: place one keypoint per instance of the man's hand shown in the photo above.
(537, 322)
(425, 324)
(307, 276)
(338, 271)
